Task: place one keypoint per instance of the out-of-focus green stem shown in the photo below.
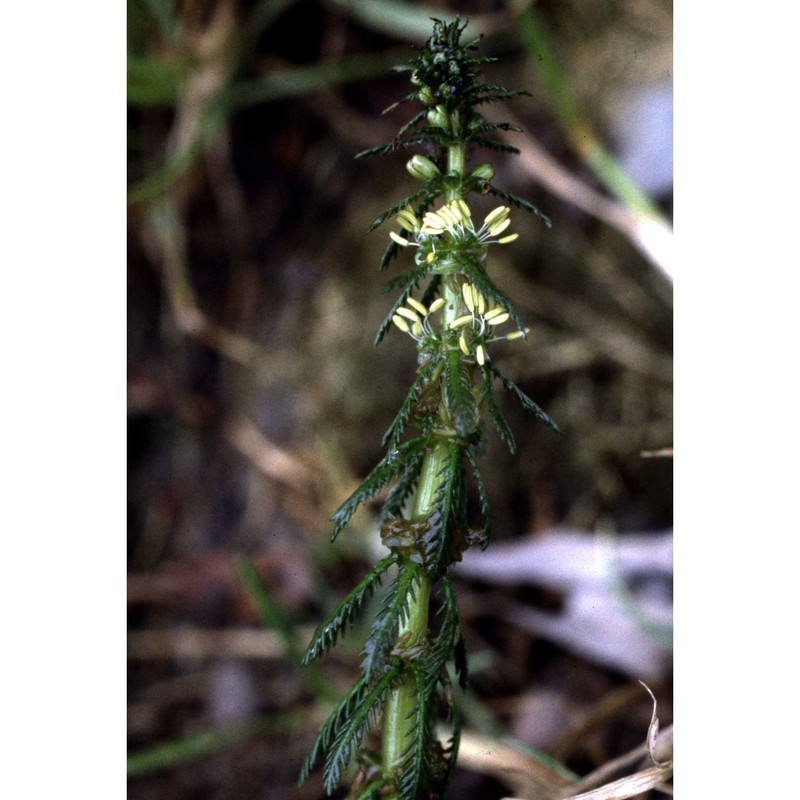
(576, 128)
(397, 723)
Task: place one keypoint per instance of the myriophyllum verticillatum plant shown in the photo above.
(453, 311)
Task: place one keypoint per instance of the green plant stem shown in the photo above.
(397, 721)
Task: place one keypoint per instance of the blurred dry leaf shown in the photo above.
(602, 619)
(630, 786)
(519, 771)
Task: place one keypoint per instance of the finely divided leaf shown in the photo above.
(390, 212)
(442, 646)
(520, 203)
(327, 633)
(485, 127)
(417, 768)
(455, 740)
(393, 613)
(388, 467)
(340, 714)
(484, 497)
(493, 144)
(498, 420)
(380, 150)
(396, 498)
(349, 734)
(526, 402)
(436, 539)
(458, 392)
(396, 429)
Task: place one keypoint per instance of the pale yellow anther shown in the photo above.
(430, 257)
(499, 227)
(464, 208)
(417, 305)
(408, 216)
(459, 321)
(408, 314)
(480, 354)
(401, 323)
(416, 329)
(450, 214)
(509, 238)
(480, 300)
(462, 343)
(436, 305)
(399, 239)
(497, 214)
(466, 290)
(433, 219)
(407, 223)
(494, 312)
(499, 320)
(516, 334)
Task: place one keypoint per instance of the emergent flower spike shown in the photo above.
(423, 520)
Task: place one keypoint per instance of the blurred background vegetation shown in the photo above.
(256, 398)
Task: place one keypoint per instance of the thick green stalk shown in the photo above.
(397, 720)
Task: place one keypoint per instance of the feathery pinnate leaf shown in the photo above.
(388, 467)
(526, 402)
(394, 612)
(335, 626)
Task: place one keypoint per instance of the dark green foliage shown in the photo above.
(392, 436)
(348, 735)
(520, 203)
(447, 78)
(420, 758)
(409, 277)
(388, 467)
(384, 629)
(406, 201)
(494, 144)
(327, 633)
(442, 646)
(458, 389)
(484, 498)
(476, 130)
(498, 420)
(335, 721)
(437, 540)
(526, 402)
(400, 492)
